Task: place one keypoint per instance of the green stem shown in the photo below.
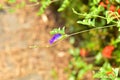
(89, 30)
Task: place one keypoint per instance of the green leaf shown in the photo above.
(45, 4)
(74, 52)
(107, 66)
(58, 30)
(99, 75)
(84, 70)
(88, 22)
(94, 11)
(103, 70)
(81, 73)
(72, 40)
(74, 11)
(98, 58)
(64, 5)
(117, 40)
(116, 70)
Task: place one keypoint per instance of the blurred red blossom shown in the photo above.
(118, 11)
(107, 51)
(112, 8)
(103, 4)
(107, 1)
(83, 52)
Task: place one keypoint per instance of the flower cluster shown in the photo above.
(107, 51)
(110, 8)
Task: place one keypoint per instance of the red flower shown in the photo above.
(83, 52)
(107, 51)
(112, 8)
(103, 4)
(107, 1)
(118, 11)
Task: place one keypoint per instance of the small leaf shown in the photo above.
(117, 40)
(88, 22)
(81, 73)
(64, 5)
(98, 57)
(72, 40)
(85, 14)
(107, 66)
(55, 31)
(74, 52)
(116, 70)
(44, 4)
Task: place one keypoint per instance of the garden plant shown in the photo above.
(92, 27)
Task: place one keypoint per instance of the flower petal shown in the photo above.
(54, 38)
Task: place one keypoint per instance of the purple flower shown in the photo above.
(54, 38)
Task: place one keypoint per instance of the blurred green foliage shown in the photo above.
(80, 15)
(91, 14)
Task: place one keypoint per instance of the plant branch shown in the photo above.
(89, 30)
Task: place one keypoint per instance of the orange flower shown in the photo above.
(103, 4)
(107, 1)
(107, 51)
(118, 11)
(83, 52)
(112, 8)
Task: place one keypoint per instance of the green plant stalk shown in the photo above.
(89, 30)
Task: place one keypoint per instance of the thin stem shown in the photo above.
(100, 16)
(89, 30)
